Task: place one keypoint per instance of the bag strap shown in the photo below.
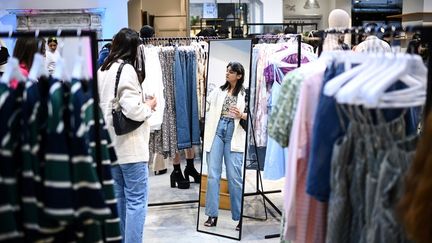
(118, 78)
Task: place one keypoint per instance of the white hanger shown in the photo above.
(12, 71)
(80, 70)
(348, 57)
(60, 71)
(373, 66)
(410, 70)
(38, 68)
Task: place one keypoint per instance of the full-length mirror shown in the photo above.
(224, 143)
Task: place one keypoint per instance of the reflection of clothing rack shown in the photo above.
(259, 181)
(175, 40)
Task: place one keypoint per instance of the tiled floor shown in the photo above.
(178, 223)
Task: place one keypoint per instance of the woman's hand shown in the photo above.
(151, 101)
(236, 114)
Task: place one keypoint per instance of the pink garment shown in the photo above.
(261, 113)
(14, 83)
(306, 217)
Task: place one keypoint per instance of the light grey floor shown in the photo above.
(178, 223)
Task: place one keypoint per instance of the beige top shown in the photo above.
(134, 146)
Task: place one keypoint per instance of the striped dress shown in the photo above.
(10, 112)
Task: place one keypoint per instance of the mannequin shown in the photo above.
(338, 19)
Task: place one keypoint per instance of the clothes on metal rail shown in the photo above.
(179, 81)
(271, 63)
(53, 191)
(291, 121)
(345, 155)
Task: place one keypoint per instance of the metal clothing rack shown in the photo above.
(174, 40)
(94, 44)
(171, 41)
(259, 181)
(294, 25)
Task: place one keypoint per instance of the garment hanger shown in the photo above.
(412, 71)
(377, 65)
(349, 58)
(80, 70)
(60, 71)
(38, 68)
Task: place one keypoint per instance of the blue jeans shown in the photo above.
(131, 190)
(186, 101)
(221, 148)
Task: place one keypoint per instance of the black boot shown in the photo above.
(160, 172)
(238, 227)
(211, 222)
(191, 171)
(176, 177)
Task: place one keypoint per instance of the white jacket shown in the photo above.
(134, 146)
(215, 101)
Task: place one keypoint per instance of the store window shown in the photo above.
(226, 17)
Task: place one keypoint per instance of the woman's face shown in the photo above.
(232, 77)
(52, 46)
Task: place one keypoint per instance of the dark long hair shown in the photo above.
(124, 46)
(25, 48)
(239, 69)
(414, 207)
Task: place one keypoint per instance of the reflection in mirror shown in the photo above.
(222, 181)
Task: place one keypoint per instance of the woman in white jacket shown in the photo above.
(131, 173)
(224, 139)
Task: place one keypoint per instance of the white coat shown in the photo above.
(214, 103)
(134, 146)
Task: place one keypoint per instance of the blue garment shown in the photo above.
(221, 149)
(131, 190)
(327, 129)
(274, 166)
(103, 54)
(186, 101)
(193, 101)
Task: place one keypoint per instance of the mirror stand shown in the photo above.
(259, 183)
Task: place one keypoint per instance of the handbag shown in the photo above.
(122, 124)
(243, 123)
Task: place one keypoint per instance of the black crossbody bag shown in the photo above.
(122, 124)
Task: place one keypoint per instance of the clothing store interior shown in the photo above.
(216, 121)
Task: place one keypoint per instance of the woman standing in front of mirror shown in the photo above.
(224, 140)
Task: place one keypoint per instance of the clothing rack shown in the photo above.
(295, 25)
(94, 53)
(259, 181)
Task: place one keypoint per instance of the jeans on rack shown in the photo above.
(131, 191)
(186, 101)
(221, 149)
(193, 97)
